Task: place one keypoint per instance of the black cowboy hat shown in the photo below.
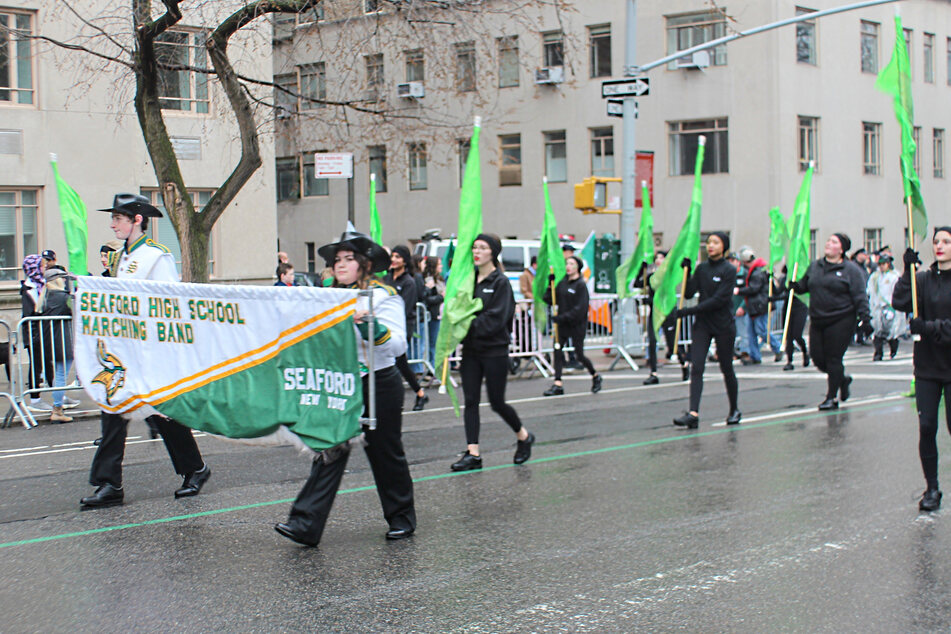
(132, 205)
(358, 243)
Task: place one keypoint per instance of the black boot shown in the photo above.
(844, 391)
(930, 501)
(829, 403)
(685, 372)
(892, 348)
(879, 343)
(805, 359)
(687, 420)
(734, 417)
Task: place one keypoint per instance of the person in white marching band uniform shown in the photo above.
(354, 259)
(141, 258)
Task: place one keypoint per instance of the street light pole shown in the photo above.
(629, 162)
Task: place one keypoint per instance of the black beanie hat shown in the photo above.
(844, 241)
(724, 238)
(937, 229)
(578, 261)
(493, 243)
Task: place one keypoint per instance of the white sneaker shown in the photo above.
(69, 403)
(39, 405)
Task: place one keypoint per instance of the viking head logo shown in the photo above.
(112, 376)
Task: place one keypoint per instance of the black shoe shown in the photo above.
(757, 361)
(687, 420)
(193, 482)
(877, 356)
(106, 495)
(789, 367)
(554, 390)
(523, 449)
(829, 403)
(651, 380)
(805, 359)
(293, 535)
(746, 361)
(779, 357)
(596, 384)
(844, 392)
(420, 403)
(399, 533)
(467, 463)
(685, 372)
(97, 441)
(734, 417)
(930, 501)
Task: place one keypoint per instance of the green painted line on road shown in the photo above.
(578, 454)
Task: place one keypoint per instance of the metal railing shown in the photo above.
(15, 410)
(418, 346)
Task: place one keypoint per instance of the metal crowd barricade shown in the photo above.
(15, 410)
(421, 336)
(36, 354)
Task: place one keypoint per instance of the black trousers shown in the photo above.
(494, 370)
(797, 324)
(828, 342)
(702, 335)
(384, 450)
(669, 326)
(928, 397)
(576, 335)
(107, 463)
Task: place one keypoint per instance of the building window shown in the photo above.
(508, 61)
(183, 90)
(938, 147)
(602, 152)
(806, 39)
(553, 48)
(872, 239)
(163, 231)
(813, 239)
(928, 65)
(909, 49)
(311, 257)
(462, 149)
(556, 157)
(465, 67)
(288, 179)
(371, 6)
(285, 95)
(685, 139)
(313, 186)
(313, 85)
(417, 166)
(949, 61)
(378, 166)
(510, 159)
(374, 86)
(16, 61)
(689, 30)
(415, 65)
(869, 47)
(808, 143)
(916, 137)
(871, 148)
(284, 23)
(19, 212)
(599, 39)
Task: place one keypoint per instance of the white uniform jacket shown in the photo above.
(145, 259)
(389, 341)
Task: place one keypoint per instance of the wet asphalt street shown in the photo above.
(793, 521)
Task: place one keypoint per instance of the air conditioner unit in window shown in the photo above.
(410, 90)
(698, 60)
(550, 75)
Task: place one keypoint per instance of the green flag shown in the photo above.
(460, 306)
(800, 234)
(895, 80)
(778, 238)
(73, 211)
(550, 261)
(376, 229)
(447, 257)
(644, 251)
(669, 276)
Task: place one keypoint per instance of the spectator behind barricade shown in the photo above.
(285, 274)
(867, 264)
(755, 293)
(401, 278)
(282, 258)
(526, 280)
(435, 295)
(41, 362)
(56, 301)
(109, 257)
(49, 258)
(740, 318)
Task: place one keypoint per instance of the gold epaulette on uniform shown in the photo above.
(386, 287)
(157, 245)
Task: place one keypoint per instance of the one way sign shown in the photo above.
(635, 87)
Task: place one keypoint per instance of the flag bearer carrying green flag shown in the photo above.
(550, 268)
(799, 239)
(643, 254)
(376, 228)
(73, 211)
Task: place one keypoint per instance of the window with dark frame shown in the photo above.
(599, 41)
(508, 61)
(937, 144)
(313, 186)
(869, 47)
(691, 29)
(288, 178)
(806, 39)
(415, 65)
(871, 148)
(377, 160)
(927, 44)
(313, 85)
(418, 177)
(374, 76)
(553, 48)
(556, 156)
(510, 159)
(808, 143)
(19, 214)
(462, 150)
(684, 141)
(602, 151)
(16, 58)
(465, 67)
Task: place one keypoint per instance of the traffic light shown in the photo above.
(591, 195)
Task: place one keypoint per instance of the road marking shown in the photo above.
(865, 401)
(864, 405)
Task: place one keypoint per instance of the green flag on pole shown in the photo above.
(778, 238)
(550, 261)
(460, 306)
(376, 229)
(668, 276)
(644, 251)
(895, 80)
(800, 234)
(73, 211)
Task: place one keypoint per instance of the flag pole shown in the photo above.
(554, 309)
(769, 302)
(792, 294)
(680, 305)
(914, 267)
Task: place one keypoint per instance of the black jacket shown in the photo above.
(755, 289)
(58, 334)
(405, 285)
(572, 296)
(835, 291)
(491, 330)
(933, 353)
(715, 280)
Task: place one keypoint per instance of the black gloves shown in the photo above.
(917, 326)
(865, 328)
(686, 264)
(551, 279)
(557, 319)
(910, 257)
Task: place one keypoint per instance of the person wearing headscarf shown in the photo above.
(41, 359)
(355, 259)
(887, 323)
(485, 354)
(838, 305)
(932, 351)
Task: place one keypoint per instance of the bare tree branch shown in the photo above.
(64, 45)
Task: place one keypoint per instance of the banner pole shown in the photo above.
(371, 328)
(792, 294)
(680, 305)
(769, 304)
(914, 267)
